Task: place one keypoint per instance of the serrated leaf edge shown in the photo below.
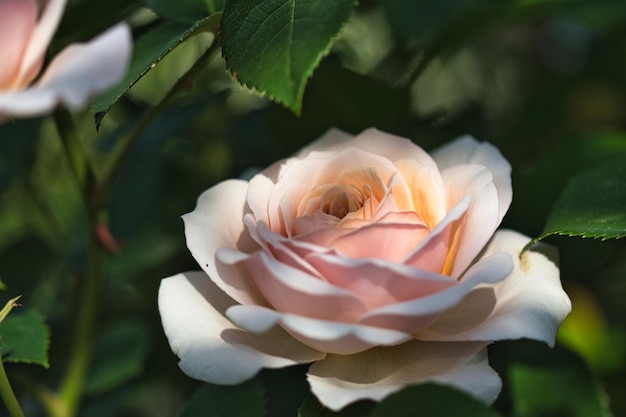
(297, 109)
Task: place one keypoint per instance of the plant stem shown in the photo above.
(7, 394)
(126, 142)
(90, 286)
(83, 341)
(72, 144)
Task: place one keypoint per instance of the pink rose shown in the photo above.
(73, 76)
(367, 256)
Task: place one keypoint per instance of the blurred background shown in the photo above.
(545, 81)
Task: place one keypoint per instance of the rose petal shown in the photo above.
(529, 303)
(217, 221)
(413, 316)
(77, 73)
(260, 188)
(378, 283)
(285, 250)
(209, 346)
(388, 241)
(375, 374)
(431, 253)
(467, 150)
(481, 218)
(300, 176)
(299, 182)
(40, 40)
(426, 190)
(81, 70)
(292, 290)
(17, 21)
(353, 167)
(323, 335)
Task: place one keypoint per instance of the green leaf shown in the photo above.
(431, 400)
(25, 338)
(185, 11)
(593, 204)
(273, 46)
(539, 391)
(120, 354)
(147, 52)
(243, 400)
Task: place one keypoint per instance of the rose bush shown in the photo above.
(71, 78)
(376, 261)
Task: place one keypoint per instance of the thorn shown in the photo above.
(106, 238)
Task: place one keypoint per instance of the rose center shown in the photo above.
(341, 200)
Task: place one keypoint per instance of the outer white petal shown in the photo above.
(74, 76)
(29, 102)
(467, 150)
(209, 346)
(375, 374)
(323, 335)
(81, 70)
(217, 221)
(529, 303)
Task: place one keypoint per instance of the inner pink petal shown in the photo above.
(369, 168)
(482, 217)
(292, 290)
(279, 247)
(378, 283)
(17, 22)
(436, 248)
(427, 191)
(388, 241)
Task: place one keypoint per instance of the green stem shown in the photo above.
(82, 344)
(126, 142)
(7, 394)
(90, 285)
(72, 144)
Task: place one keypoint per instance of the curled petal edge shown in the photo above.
(529, 303)
(210, 347)
(322, 335)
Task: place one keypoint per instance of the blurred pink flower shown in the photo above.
(378, 262)
(72, 77)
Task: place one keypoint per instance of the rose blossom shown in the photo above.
(367, 256)
(71, 78)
